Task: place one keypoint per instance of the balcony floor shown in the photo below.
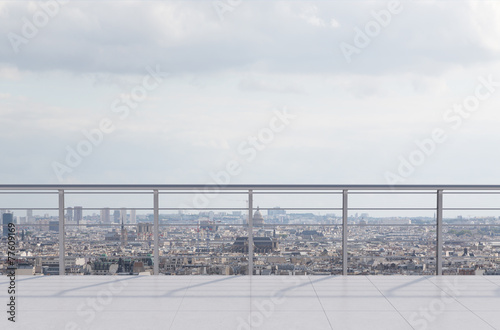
(260, 302)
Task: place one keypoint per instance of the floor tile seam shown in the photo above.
(179, 307)
(460, 303)
(320, 303)
(404, 318)
(487, 279)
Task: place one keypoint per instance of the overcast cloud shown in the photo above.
(222, 82)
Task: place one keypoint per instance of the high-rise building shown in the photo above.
(133, 216)
(78, 214)
(69, 214)
(7, 218)
(105, 215)
(116, 216)
(29, 216)
(123, 215)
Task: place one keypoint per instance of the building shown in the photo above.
(78, 214)
(144, 231)
(112, 237)
(54, 226)
(260, 245)
(7, 218)
(69, 214)
(25, 269)
(123, 236)
(29, 216)
(275, 212)
(116, 216)
(133, 218)
(105, 215)
(208, 225)
(258, 219)
(123, 215)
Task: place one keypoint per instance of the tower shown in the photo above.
(123, 236)
(78, 214)
(69, 214)
(7, 218)
(116, 216)
(29, 216)
(105, 215)
(132, 216)
(123, 215)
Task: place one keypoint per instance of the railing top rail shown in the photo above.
(215, 187)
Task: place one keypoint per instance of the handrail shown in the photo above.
(212, 187)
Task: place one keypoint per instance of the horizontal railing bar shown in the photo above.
(392, 192)
(266, 225)
(243, 208)
(471, 192)
(243, 187)
(113, 208)
(447, 224)
(398, 240)
(191, 192)
(391, 225)
(100, 192)
(299, 192)
(391, 208)
(29, 192)
(30, 208)
(471, 208)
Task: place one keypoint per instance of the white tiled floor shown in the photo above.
(260, 302)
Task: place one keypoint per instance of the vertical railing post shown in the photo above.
(250, 232)
(156, 231)
(62, 253)
(439, 233)
(345, 215)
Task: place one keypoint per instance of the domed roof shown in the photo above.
(257, 214)
(258, 219)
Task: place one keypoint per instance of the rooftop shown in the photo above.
(257, 302)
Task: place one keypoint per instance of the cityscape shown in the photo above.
(250, 165)
(120, 242)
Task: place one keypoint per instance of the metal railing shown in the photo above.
(251, 191)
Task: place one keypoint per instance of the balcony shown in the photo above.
(322, 234)
(257, 302)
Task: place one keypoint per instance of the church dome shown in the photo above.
(258, 219)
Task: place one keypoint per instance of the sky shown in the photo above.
(334, 92)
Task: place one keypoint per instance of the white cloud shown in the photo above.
(226, 78)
